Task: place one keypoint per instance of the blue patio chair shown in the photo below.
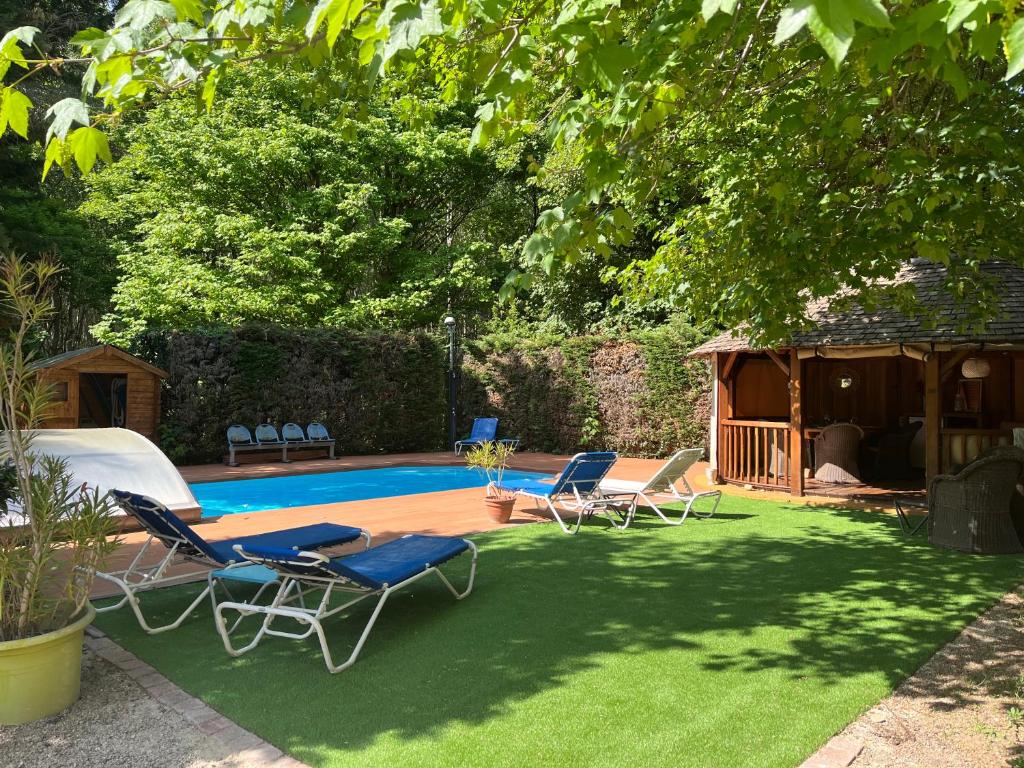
(375, 572)
(577, 490)
(184, 545)
(319, 437)
(483, 431)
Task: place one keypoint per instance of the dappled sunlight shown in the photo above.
(809, 601)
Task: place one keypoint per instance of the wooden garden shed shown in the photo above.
(103, 386)
(918, 394)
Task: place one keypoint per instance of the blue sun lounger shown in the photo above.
(184, 545)
(577, 490)
(375, 572)
(483, 431)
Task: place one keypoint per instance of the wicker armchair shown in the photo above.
(971, 510)
(836, 450)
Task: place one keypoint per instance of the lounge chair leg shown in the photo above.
(132, 600)
(558, 519)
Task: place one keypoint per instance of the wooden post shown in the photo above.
(796, 430)
(722, 411)
(932, 417)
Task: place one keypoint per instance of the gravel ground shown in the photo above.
(115, 724)
(963, 709)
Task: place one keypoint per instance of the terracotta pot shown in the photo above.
(499, 508)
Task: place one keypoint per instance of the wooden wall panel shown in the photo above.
(140, 413)
(761, 390)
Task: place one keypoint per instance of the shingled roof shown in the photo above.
(939, 323)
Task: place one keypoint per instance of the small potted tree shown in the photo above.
(493, 458)
(53, 532)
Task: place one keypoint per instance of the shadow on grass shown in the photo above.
(792, 592)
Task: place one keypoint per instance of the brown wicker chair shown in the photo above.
(836, 449)
(971, 510)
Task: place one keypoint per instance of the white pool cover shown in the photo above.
(117, 458)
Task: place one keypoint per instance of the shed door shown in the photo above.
(103, 399)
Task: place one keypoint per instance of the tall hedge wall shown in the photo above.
(638, 395)
(388, 392)
(375, 392)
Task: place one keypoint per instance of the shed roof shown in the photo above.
(887, 325)
(101, 350)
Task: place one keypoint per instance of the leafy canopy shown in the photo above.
(636, 89)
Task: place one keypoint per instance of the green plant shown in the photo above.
(492, 458)
(56, 532)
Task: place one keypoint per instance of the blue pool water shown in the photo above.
(234, 496)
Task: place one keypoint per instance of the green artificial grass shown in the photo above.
(743, 640)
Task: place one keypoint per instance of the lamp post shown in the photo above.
(449, 323)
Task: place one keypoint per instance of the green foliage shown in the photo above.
(44, 513)
(375, 392)
(639, 395)
(279, 209)
(493, 459)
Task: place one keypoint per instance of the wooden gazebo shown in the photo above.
(880, 370)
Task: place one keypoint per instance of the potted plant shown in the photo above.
(53, 533)
(493, 458)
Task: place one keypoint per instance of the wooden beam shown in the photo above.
(796, 430)
(778, 361)
(722, 399)
(1018, 386)
(952, 363)
(730, 361)
(932, 417)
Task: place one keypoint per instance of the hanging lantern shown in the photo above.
(976, 368)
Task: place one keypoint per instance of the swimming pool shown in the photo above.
(235, 496)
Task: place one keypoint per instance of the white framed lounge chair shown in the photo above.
(663, 486)
(376, 572)
(216, 560)
(577, 491)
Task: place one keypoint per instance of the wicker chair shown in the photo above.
(971, 510)
(836, 450)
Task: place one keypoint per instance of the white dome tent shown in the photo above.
(111, 458)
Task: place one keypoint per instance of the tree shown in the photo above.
(622, 85)
(275, 209)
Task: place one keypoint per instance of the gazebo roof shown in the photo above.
(940, 323)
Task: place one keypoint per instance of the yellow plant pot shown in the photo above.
(41, 675)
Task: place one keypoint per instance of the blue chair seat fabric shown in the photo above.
(390, 563)
(318, 536)
(398, 560)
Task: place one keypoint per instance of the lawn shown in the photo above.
(743, 640)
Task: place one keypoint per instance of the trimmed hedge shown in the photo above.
(376, 392)
(638, 395)
(380, 392)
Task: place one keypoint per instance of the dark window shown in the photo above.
(60, 391)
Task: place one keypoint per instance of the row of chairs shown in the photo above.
(266, 437)
(583, 489)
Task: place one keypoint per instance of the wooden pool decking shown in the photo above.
(448, 513)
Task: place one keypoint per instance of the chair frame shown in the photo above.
(137, 579)
(473, 442)
(290, 602)
(664, 475)
(583, 504)
(253, 445)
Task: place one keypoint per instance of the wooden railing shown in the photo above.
(960, 446)
(754, 452)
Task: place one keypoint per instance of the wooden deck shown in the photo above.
(449, 513)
